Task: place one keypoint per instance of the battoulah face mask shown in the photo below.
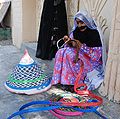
(81, 25)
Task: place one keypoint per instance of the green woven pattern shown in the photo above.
(26, 81)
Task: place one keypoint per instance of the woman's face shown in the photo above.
(81, 25)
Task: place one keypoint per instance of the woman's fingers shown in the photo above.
(65, 38)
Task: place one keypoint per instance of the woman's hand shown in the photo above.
(66, 38)
(79, 44)
(72, 43)
(75, 44)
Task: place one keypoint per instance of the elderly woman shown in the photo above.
(91, 54)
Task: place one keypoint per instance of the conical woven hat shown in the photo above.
(27, 77)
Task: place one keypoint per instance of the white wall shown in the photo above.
(16, 12)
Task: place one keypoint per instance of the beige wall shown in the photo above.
(16, 12)
(29, 20)
(72, 8)
(23, 21)
(111, 86)
(39, 7)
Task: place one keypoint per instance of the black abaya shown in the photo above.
(53, 26)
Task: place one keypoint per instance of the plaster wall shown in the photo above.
(16, 12)
(28, 20)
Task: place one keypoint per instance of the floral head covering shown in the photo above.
(86, 18)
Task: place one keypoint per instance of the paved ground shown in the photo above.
(9, 102)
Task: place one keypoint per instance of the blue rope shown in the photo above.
(19, 113)
(52, 106)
